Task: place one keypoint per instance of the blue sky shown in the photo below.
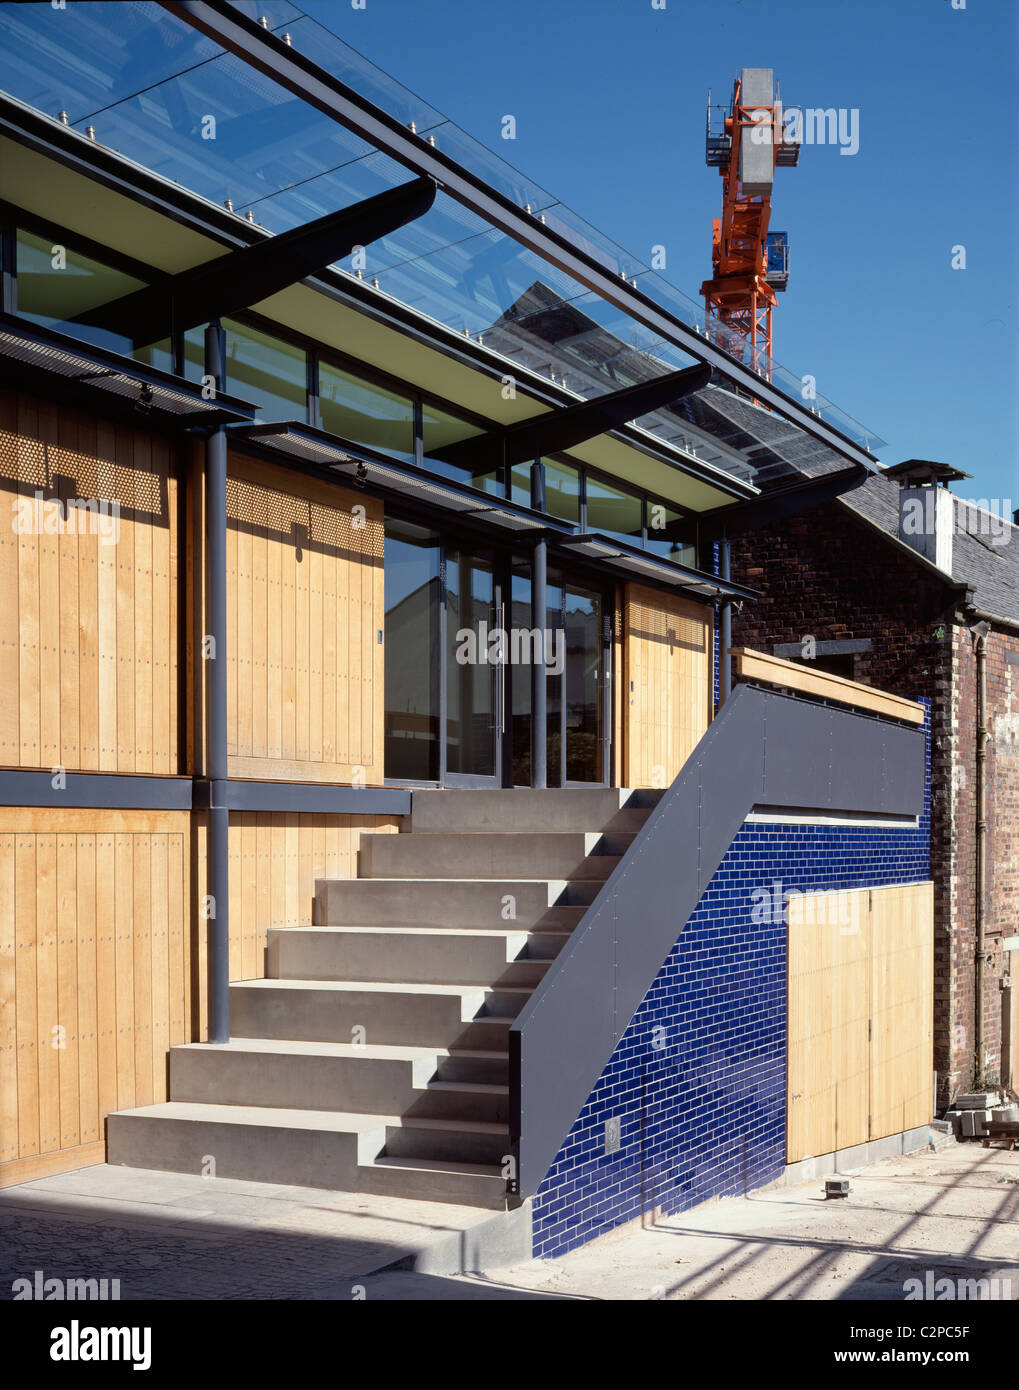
(609, 99)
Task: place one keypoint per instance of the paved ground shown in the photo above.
(175, 1235)
(954, 1213)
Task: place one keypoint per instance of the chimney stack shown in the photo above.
(927, 508)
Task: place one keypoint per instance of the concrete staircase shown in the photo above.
(373, 1056)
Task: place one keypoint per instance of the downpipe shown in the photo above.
(980, 631)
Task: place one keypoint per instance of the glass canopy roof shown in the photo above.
(141, 79)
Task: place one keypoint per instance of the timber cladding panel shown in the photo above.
(666, 688)
(103, 955)
(275, 858)
(89, 642)
(95, 976)
(304, 609)
(860, 1001)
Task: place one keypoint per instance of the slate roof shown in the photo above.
(985, 553)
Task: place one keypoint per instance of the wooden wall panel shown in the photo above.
(666, 687)
(94, 975)
(88, 618)
(860, 1006)
(304, 604)
(103, 955)
(275, 858)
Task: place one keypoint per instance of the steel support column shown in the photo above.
(725, 636)
(214, 651)
(539, 618)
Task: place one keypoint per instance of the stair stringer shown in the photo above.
(763, 749)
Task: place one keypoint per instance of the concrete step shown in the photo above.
(305, 1148)
(292, 1075)
(493, 854)
(460, 1100)
(516, 904)
(629, 820)
(485, 1034)
(430, 1179)
(456, 1141)
(343, 1011)
(444, 955)
(337, 1151)
(581, 808)
(464, 1064)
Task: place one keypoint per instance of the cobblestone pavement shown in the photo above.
(177, 1236)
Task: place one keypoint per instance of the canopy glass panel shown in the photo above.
(141, 79)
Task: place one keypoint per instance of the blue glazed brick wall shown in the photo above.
(698, 1077)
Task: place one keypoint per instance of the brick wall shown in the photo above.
(1001, 895)
(828, 575)
(698, 1078)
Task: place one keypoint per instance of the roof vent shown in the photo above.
(927, 508)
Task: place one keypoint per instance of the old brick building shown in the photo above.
(902, 585)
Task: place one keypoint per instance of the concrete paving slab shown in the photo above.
(173, 1235)
(953, 1214)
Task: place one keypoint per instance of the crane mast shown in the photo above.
(750, 264)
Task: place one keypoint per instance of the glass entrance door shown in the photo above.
(475, 686)
(579, 696)
(458, 699)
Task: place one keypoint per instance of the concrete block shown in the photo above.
(757, 158)
(969, 1121)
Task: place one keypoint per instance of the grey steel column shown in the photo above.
(725, 637)
(215, 705)
(539, 619)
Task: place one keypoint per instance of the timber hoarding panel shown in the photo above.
(89, 674)
(103, 955)
(860, 1001)
(666, 691)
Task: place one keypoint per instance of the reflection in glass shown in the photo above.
(613, 512)
(266, 371)
(439, 429)
(470, 682)
(56, 283)
(583, 678)
(554, 688)
(412, 652)
(562, 491)
(660, 523)
(364, 413)
(519, 676)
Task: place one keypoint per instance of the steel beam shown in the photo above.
(253, 273)
(553, 431)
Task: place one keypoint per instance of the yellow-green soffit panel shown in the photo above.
(61, 195)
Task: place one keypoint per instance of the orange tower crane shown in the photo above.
(750, 263)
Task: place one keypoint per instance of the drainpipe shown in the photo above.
(539, 618)
(725, 673)
(980, 631)
(218, 845)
